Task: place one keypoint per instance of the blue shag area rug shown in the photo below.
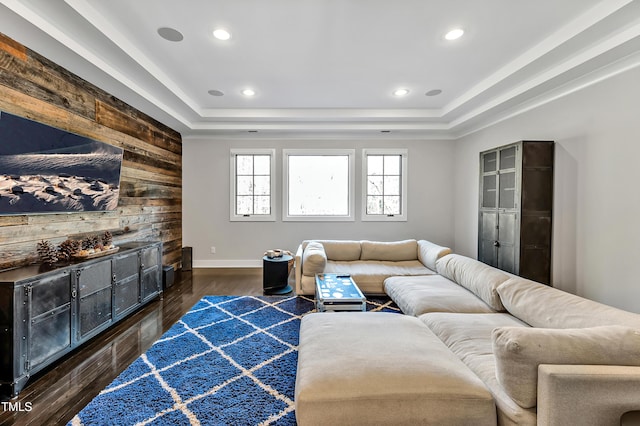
(230, 360)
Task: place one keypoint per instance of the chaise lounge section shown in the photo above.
(545, 356)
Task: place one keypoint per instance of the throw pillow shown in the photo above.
(519, 351)
(314, 259)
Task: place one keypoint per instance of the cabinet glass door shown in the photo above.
(126, 276)
(150, 267)
(95, 302)
(489, 162)
(489, 191)
(49, 302)
(508, 158)
(507, 190)
(507, 178)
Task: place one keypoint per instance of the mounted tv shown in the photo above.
(48, 170)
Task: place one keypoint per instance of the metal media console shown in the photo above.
(44, 314)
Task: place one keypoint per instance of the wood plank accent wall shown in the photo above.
(150, 203)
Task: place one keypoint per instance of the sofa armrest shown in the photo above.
(298, 269)
(429, 253)
(595, 395)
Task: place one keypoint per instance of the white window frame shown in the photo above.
(232, 199)
(402, 217)
(350, 217)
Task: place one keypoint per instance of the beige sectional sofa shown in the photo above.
(368, 262)
(543, 356)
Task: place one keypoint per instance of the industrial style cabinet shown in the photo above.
(516, 199)
(44, 314)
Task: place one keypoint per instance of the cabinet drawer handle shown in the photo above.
(496, 243)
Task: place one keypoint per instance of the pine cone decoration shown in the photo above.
(68, 248)
(87, 243)
(107, 238)
(47, 252)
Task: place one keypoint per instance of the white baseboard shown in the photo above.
(227, 263)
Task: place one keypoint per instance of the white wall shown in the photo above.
(206, 202)
(596, 238)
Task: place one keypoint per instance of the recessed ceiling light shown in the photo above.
(434, 92)
(454, 34)
(170, 34)
(216, 93)
(401, 92)
(221, 34)
(248, 92)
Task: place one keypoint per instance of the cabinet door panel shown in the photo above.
(508, 158)
(94, 277)
(94, 311)
(507, 237)
(150, 282)
(490, 162)
(127, 294)
(489, 191)
(488, 236)
(50, 293)
(126, 266)
(49, 335)
(151, 257)
(150, 279)
(507, 195)
(49, 311)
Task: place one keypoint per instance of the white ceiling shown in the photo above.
(327, 68)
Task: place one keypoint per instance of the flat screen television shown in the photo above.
(44, 169)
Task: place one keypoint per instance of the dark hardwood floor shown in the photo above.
(59, 393)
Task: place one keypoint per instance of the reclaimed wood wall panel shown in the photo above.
(150, 203)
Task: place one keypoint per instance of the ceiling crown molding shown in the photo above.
(597, 44)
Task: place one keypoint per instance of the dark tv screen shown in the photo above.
(44, 169)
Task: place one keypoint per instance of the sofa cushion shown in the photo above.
(341, 249)
(370, 275)
(469, 337)
(314, 259)
(393, 251)
(417, 295)
(429, 253)
(479, 278)
(519, 351)
(363, 368)
(542, 306)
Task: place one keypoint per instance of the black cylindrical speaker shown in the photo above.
(187, 258)
(167, 276)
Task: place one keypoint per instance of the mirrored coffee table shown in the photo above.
(338, 292)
